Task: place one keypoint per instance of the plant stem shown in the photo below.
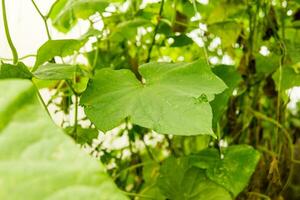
(43, 102)
(69, 83)
(132, 167)
(138, 195)
(8, 37)
(289, 141)
(21, 58)
(155, 30)
(76, 116)
(43, 17)
(259, 195)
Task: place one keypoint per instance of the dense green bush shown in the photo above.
(182, 99)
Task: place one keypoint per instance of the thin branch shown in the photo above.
(21, 58)
(289, 140)
(155, 30)
(8, 37)
(43, 17)
(138, 195)
(259, 195)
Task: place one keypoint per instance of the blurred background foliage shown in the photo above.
(252, 45)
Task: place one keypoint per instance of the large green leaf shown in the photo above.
(234, 171)
(65, 13)
(37, 160)
(53, 48)
(14, 71)
(52, 71)
(179, 180)
(173, 98)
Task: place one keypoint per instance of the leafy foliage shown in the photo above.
(54, 48)
(28, 170)
(174, 100)
(180, 180)
(14, 71)
(170, 95)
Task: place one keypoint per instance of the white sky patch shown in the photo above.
(170, 41)
(264, 51)
(196, 17)
(294, 94)
(203, 1)
(180, 59)
(125, 6)
(146, 2)
(227, 60)
(203, 27)
(284, 4)
(196, 36)
(214, 60)
(164, 59)
(289, 12)
(214, 43)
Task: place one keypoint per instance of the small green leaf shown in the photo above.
(165, 102)
(128, 29)
(232, 78)
(228, 37)
(267, 64)
(181, 40)
(37, 160)
(65, 13)
(289, 78)
(53, 48)
(179, 180)
(14, 71)
(83, 135)
(234, 171)
(52, 71)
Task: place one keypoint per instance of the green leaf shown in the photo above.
(234, 171)
(169, 101)
(128, 29)
(180, 181)
(267, 64)
(228, 37)
(83, 135)
(232, 78)
(14, 71)
(37, 160)
(52, 71)
(65, 13)
(53, 48)
(289, 78)
(181, 40)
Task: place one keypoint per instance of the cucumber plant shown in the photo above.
(175, 100)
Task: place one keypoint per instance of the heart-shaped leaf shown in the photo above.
(171, 99)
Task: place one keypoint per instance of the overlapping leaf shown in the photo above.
(173, 98)
(206, 176)
(65, 13)
(14, 71)
(232, 78)
(37, 160)
(179, 180)
(52, 71)
(234, 171)
(53, 48)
